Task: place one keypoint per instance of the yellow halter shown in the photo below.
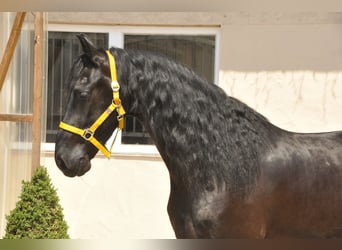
(88, 133)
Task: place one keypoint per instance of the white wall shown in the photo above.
(291, 73)
(117, 198)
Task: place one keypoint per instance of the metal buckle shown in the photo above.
(119, 117)
(87, 134)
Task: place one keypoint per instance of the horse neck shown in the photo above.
(161, 94)
(191, 121)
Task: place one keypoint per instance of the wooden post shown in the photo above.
(10, 47)
(37, 94)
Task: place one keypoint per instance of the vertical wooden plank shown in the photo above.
(10, 47)
(37, 95)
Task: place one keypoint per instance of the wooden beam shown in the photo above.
(10, 47)
(16, 117)
(37, 94)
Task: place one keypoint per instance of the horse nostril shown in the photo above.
(83, 162)
(84, 165)
(62, 166)
(60, 163)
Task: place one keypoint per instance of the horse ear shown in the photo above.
(90, 50)
(87, 46)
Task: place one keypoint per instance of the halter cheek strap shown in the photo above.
(88, 133)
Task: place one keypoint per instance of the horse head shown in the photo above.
(89, 94)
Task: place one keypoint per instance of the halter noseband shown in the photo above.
(88, 133)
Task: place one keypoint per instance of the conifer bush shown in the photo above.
(38, 214)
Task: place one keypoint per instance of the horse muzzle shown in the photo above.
(72, 166)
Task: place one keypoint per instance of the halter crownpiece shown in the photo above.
(88, 133)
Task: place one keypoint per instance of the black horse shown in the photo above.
(233, 174)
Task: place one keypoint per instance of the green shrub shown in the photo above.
(37, 214)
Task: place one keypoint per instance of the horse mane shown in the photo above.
(186, 114)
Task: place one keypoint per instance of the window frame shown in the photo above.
(116, 36)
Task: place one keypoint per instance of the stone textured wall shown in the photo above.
(286, 66)
(300, 101)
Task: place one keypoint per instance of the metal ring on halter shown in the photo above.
(115, 86)
(87, 134)
(117, 106)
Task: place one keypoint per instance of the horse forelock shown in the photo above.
(74, 72)
(78, 65)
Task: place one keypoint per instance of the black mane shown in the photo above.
(183, 109)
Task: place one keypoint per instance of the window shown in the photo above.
(63, 48)
(197, 52)
(195, 48)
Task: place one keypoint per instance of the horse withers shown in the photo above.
(233, 174)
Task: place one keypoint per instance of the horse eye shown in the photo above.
(84, 80)
(84, 95)
(81, 95)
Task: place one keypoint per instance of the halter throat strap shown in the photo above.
(88, 133)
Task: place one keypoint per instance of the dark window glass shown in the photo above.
(63, 48)
(197, 52)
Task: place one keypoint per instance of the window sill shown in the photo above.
(119, 151)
